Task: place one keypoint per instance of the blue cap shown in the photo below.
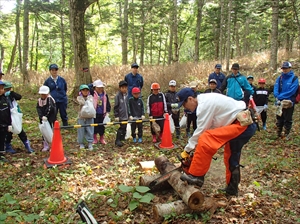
(134, 65)
(218, 66)
(286, 64)
(183, 94)
(53, 66)
(250, 77)
(2, 83)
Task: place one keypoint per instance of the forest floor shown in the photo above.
(269, 189)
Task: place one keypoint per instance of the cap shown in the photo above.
(2, 83)
(7, 85)
(83, 86)
(261, 81)
(250, 77)
(155, 85)
(1, 73)
(98, 83)
(172, 83)
(218, 66)
(286, 64)
(134, 65)
(213, 81)
(44, 90)
(136, 90)
(53, 66)
(123, 83)
(235, 66)
(183, 94)
(193, 84)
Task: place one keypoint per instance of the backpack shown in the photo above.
(297, 94)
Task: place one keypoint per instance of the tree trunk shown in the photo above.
(175, 32)
(32, 44)
(145, 180)
(228, 36)
(200, 4)
(81, 60)
(274, 36)
(190, 195)
(221, 30)
(62, 36)
(36, 60)
(170, 46)
(25, 41)
(1, 56)
(245, 37)
(294, 4)
(124, 30)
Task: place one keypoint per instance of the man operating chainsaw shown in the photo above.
(220, 121)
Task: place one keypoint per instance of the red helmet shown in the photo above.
(136, 90)
(155, 86)
(262, 81)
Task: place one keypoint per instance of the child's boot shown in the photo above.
(102, 141)
(27, 146)
(118, 139)
(95, 139)
(140, 140)
(90, 146)
(81, 146)
(264, 126)
(46, 147)
(177, 133)
(9, 149)
(154, 140)
(134, 140)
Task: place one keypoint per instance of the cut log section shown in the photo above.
(189, 194)
(145, 180)
(147, 165)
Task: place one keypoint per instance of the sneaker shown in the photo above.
(154, 140)
(90, 147)
(193, 180)
(140, 140)
(81, 146)
(134, 140)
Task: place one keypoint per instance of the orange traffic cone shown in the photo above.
(57, 157)
(166, 140)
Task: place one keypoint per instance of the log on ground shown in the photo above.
(145, 180)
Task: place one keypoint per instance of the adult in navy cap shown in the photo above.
(217, 125)
(58, 90)
(134, 79)
(217, 75)
(285, 91)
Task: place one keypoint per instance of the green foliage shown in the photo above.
(139, 195)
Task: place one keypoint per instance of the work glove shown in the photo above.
(143, 117)
(174, 105)
(277, 102)
(130, 118)
(175, 111)
(44, 118)
(250, 97)
(117, 119)
(265, 107)
(9, 128)
(184, 155)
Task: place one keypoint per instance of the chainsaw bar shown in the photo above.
(163, 178)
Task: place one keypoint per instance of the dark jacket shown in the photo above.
(48, 110)
(219, 77)
(58, 90)
(5, 116)
(121, 106)
(212, 91)
(134, 81)
(247, 94)
(261, 96)
(136, 107)
(156, 105)
(286, 87)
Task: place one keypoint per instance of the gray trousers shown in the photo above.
(85, 132)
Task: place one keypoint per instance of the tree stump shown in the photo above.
(189, 194)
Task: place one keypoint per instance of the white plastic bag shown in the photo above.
(16, 120)
(88, 110)
(182, 122)
(128, 131)
(46, 131)
(172, 126)
(106, 119)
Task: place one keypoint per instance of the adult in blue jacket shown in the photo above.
(58, 90)
(217, 75)
(134, 79)
(286, 88)
(236, 84)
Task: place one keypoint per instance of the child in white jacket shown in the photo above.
(86, 116)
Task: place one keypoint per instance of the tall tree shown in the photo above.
(77, 25)
(25, 41)
(228, 42)
(123, 19)
(199, 7)
(274, 35)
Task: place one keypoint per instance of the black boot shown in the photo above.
(65, 123)
(287, 134)
(118, 138)
(279, 131)
(232, 188)
(193, 180)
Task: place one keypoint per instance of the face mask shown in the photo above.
(7, 93)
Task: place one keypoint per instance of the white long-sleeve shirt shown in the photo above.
(214, 110)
